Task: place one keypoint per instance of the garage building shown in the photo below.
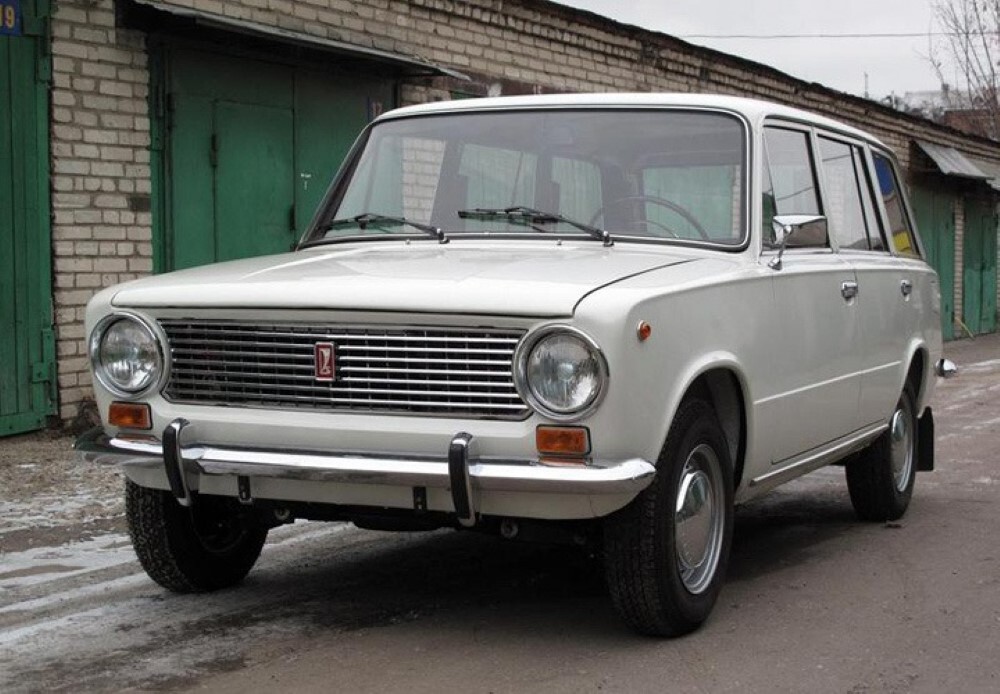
(141, 136)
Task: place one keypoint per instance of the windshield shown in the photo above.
(661, 174)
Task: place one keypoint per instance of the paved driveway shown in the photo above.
(815, 600)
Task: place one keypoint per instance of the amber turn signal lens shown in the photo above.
(130, 415)
(643, 331)
(562, 440)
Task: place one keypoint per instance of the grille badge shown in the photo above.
(324, 369)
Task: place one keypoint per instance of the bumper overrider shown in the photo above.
(458, 481)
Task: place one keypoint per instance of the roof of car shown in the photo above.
(753, 109)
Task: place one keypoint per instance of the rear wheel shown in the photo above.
(211, 545)
(666, 553)
(880, 480)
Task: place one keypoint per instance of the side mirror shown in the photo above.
(808, 230)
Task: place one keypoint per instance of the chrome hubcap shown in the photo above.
(698, 518)
(901, 449)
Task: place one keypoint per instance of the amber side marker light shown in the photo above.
(130, 415)
(643, 331)
(567, 442)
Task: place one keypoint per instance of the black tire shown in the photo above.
(881, 489)
(191, 550)
(656, 589)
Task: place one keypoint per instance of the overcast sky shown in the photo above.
(893, 64)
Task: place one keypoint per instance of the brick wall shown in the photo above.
(100, 167)
(100, 129)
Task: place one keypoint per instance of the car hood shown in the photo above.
(510, 278)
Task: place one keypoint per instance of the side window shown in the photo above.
(789, 185)
(899, 225)
(842, 164)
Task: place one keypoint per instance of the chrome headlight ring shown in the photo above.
(530, 395)
(158, 372)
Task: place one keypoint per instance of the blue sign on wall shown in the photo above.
(10, 17)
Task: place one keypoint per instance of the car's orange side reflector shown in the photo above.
(130, 415)
(570, 441)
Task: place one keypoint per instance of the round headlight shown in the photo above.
(563, 373)
(126, 355)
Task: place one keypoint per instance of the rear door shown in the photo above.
(851, 201)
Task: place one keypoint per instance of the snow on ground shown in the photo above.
(43, 487)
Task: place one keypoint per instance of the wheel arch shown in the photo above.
(918, 373)
(721, 383)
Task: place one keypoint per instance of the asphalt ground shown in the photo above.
(815, 600)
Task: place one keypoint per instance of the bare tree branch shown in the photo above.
(972, 45)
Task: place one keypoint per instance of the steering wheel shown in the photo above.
(662, 202)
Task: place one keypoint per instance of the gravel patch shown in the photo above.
(46, 494)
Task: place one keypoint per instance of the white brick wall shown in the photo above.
(101, 129)
(100, 159)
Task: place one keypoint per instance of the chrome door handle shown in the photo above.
(848, 290)
(906, 286)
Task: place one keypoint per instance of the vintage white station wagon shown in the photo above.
(608, 317)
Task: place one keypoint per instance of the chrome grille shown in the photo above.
(430, 371)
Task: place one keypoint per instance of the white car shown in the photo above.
(608, 317)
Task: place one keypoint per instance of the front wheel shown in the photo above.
(210, 546)
(880, 480)
(666, 553)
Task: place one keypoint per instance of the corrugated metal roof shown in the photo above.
(990, 169)
(950, 161)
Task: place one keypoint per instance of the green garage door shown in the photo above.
(251, 148)
(26, 352)
(979, 266)
(935, 213)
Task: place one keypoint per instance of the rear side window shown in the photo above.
(899, 225)
(789, 178)
(843, 170)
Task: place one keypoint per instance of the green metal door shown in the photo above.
(935, 213)
(251, 147)
(26, 340)
(329, 115)
(253, 180)
(979, 267)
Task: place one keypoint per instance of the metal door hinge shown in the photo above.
(41, 372)
(213, 152)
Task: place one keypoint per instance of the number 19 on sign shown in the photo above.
(10, 17)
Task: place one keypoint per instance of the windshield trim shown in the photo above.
(314, 235)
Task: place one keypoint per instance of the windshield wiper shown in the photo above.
(531, 216)
(362, 221)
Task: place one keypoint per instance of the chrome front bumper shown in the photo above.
(466, 477)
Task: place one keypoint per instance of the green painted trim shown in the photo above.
(158, 112)
(43, 267)
(22, 423)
